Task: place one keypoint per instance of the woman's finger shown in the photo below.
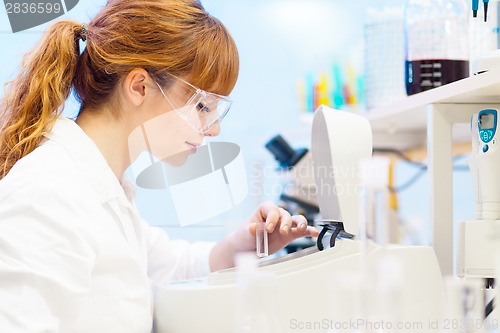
(271, 214)
(300, 222)
(285, 222)
(311, 232)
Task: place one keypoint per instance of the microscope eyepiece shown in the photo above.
(286, 156)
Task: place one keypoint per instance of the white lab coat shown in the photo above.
(74, 254)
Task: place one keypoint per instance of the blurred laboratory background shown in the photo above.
(294, 56)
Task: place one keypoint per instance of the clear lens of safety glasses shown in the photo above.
(202, 109)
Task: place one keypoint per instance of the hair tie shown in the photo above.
(83, 32)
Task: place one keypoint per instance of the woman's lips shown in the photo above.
(192, 146)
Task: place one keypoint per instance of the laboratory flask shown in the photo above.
(437, 43)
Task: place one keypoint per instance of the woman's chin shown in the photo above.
(179, 158)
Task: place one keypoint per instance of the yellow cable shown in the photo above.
(392, 201)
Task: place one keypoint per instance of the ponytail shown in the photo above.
(35, 98)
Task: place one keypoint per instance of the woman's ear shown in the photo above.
(134, 86)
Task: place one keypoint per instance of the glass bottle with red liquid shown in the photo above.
(437, 43)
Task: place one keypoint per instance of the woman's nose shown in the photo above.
(214, 130)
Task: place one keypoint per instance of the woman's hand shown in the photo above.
(282, 228)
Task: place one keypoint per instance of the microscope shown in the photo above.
(298, 192)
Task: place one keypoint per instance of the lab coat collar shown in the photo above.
(88, 159)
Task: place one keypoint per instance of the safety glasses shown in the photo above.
(199, 108)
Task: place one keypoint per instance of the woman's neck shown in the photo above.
(110, 136)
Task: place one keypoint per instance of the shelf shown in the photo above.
(403, 124)
(429, 119)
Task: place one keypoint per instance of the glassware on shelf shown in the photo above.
(437, 43)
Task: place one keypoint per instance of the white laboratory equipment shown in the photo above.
(478, 242)
(306, 295)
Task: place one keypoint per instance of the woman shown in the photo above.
(74, 254)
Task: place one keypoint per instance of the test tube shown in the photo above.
(261, 240)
